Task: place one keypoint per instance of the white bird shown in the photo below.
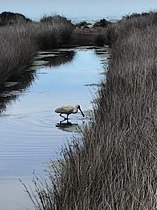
(68, 109)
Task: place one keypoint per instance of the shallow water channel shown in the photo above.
(30, 134)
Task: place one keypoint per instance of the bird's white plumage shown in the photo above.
(68, 109)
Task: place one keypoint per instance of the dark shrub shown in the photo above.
(9, 18)
(102, 23)
(57, 19)
(82, 24)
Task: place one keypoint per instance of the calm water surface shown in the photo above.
(29, 137)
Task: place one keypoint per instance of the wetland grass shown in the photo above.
(113, 166)
(20, 42)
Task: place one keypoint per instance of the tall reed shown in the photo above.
(16, 52)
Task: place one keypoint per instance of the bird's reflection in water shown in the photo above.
(66, 125)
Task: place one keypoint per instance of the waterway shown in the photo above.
(30, 131)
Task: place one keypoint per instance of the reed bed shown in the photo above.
(113, 166)
(16, 52)
(20, 42)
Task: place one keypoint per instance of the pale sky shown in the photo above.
(75, 9)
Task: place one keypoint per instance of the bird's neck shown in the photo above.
(75, 110)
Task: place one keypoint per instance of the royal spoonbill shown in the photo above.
(68, 109)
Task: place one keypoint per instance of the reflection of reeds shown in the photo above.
(56, 59)
(115, 164)
(11, 90)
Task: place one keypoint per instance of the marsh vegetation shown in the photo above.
(19, 43)
(113, 165)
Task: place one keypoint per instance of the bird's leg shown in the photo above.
(63, 116)
(69, 123)
(62, 121)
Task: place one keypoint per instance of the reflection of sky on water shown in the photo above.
(65, 84)
(89, 9)
(13, 196)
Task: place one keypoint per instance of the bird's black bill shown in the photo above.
(81, 112)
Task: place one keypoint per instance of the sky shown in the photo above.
(78, 9)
